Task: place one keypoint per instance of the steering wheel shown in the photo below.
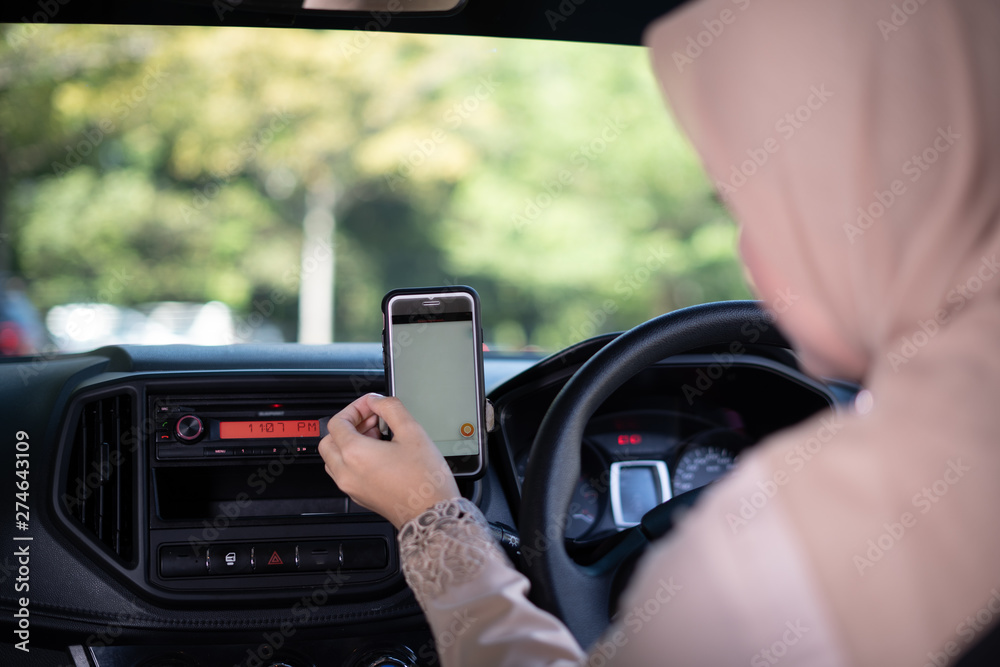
(580, 595)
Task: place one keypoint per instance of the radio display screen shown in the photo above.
(302, 428)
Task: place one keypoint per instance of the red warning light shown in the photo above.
(275, 559)
(623, 440)
(629, 439)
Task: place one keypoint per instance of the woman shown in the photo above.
(858, 145)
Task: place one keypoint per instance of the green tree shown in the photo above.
(177, 163)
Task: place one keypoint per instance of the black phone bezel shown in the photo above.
(466, 467)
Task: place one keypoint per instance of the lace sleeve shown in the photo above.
(447, 545)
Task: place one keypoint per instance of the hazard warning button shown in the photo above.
(273, 557)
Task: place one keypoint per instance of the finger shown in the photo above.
(367, 424)
(395, 414)
(355, 413)
(369, 428)
(330, 452)
(351, 420)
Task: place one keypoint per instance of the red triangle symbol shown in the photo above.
(275, 559)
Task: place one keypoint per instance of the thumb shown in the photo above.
(394, 413)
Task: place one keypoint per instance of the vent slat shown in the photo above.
(100, 488)
(118, 455)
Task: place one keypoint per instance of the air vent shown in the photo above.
(100, 487)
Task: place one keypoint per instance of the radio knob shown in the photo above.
(189, 428)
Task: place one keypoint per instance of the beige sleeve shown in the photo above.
(474, 600)
(713, 594)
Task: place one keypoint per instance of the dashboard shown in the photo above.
(674, 428)
(176, 494)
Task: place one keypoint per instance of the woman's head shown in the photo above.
(864, 172)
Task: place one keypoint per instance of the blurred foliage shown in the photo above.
(150, 164)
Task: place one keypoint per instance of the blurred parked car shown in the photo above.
(21, 330)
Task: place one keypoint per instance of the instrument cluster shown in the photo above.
(632, 461)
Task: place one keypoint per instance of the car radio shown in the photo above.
(241, 504)
(198, 428)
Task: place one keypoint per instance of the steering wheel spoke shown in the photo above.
(581, 595)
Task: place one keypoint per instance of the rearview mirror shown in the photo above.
(383, 5)
(328, 7)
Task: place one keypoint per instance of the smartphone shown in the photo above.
(432, 344)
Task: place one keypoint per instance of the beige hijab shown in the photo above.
(858, 144)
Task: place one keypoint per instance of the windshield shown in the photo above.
(229, 185)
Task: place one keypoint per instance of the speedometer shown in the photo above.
(701, 465)
(590, 496)
(584, 509)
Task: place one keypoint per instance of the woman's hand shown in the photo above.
(398, 478)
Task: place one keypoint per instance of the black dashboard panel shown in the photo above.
(148, 519)
(95, 576)
(217, 521)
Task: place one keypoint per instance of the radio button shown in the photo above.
(189, 428)
(319, 556)
(273, 557)
(229, 559)
(164, 436)
(217, 451)
(182, 561)
(364, 555)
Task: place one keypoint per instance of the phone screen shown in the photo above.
(434, 374)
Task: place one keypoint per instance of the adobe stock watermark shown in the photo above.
(47, 12)
(626, 286)
(696, 44)
(898, 17)
(445, 636)
(562, 12)
(924, 501)
(454, 117)
(706, 377)
(121, 109)
(967, 630)
(958, 296)
(362, 36)
(786, 126)
(634, 619)
(78, 323)
(417, 500)
(302, 611)
(915, 167)
(244, 328)
(772, 655)
(581, 159)
(246, 151)
(259, 480)
(796, 458)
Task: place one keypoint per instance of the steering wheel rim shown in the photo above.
(580, 595)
